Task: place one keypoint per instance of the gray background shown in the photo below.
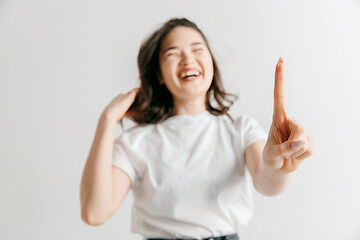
(62, 62)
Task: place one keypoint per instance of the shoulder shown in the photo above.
(245, 121)
(243, 126)
(238, 122)
(136, 132)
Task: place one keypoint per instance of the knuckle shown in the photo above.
(310, 151)
(298, 128)
(281, 151)
(295, 123)
(303, 149)
(311, 145)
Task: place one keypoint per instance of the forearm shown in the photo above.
(96, 193)
(270, 182)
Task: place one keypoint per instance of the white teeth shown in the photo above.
(184, 74)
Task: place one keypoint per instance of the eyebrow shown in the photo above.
(194, 43)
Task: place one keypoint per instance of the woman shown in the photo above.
(187, 161)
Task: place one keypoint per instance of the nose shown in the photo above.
(187, 59)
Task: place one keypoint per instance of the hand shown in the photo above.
(288, 144)
(118, 107)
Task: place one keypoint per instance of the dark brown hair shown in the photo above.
(154, 101)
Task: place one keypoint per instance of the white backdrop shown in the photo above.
(62, 62)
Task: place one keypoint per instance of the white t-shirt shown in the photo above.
(189, 179)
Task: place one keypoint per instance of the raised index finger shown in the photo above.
(279, 91)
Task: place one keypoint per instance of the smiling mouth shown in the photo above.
(190, 78)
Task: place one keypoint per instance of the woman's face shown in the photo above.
(185, 63)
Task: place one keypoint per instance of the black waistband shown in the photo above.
(225, 237)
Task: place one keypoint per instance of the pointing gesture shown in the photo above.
(288, 144)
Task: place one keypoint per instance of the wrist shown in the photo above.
(107, 117)
(271, 183)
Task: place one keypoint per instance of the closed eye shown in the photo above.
(172, 54)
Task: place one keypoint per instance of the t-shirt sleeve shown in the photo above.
(122, 158)
(250, 130)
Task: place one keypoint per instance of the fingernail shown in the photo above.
(281, 59)
(298, 144)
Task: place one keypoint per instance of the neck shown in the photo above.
(189, 106)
